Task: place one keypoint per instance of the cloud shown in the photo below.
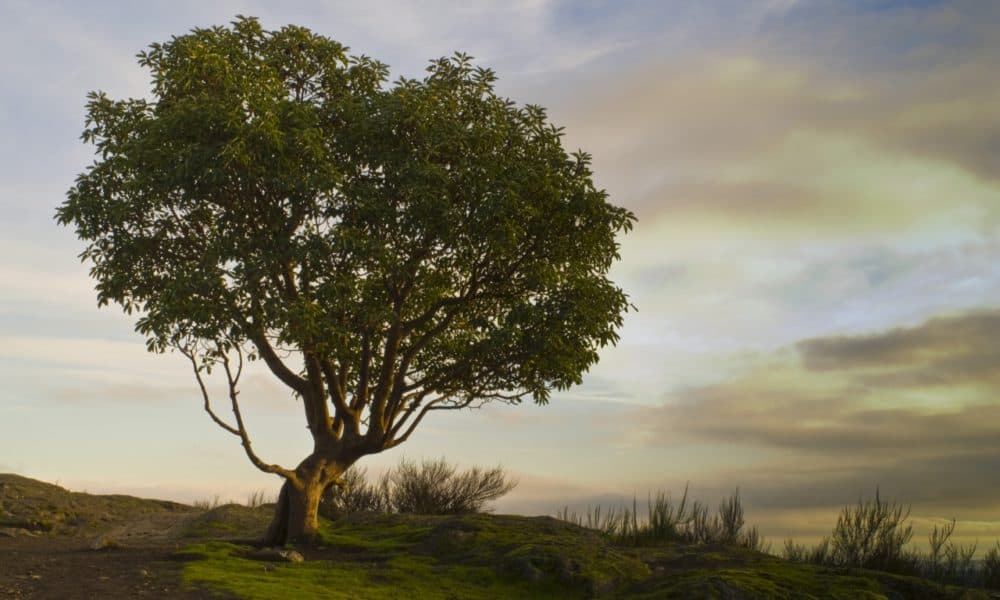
(965, 344)
(779, 132)
(967, 483)
(834, 426)
(840, 415)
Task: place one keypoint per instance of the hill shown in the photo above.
(155, 548)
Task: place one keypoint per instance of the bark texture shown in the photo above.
(296, 516)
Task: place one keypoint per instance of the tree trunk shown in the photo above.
(296, 515)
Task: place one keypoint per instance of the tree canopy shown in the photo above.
(387, 249)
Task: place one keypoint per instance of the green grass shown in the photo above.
(487, 556)
(406, 556)
(706, 572)
(470, 556)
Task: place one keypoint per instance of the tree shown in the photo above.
(387, 250)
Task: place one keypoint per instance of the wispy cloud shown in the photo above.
(848, 413)
(947, 349)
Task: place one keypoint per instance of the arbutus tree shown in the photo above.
(387, 250)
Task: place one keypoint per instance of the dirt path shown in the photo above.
(139, 565)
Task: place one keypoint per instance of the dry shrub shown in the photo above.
(430, 488)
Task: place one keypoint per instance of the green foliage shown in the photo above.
(428, 488)
(278, 193)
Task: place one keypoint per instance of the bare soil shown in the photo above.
(66, 545)
(62, 567)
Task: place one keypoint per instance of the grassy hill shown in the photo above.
(29, 505)
(504, 556)
(368, 556)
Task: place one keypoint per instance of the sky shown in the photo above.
(816, 262)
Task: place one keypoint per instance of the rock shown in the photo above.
(104, 542)
(277, 555)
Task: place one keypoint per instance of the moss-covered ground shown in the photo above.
(401, 556)
(396, 556)
(484, 556)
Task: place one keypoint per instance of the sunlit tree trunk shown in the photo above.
(296, 516)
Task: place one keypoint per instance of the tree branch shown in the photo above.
(204, 392)
(299, 384)
(361, 395)
(377, 411)
(420, 417)
(240, 426)
(348, 415)
(399, 385)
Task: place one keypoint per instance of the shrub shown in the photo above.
(946, 561)
(730, 519)
(753, 540)
(434, 487)
(431, 487)
(820, 555)
(871, 535)
(700, 528)
(353, 494)
(991, 568)
(669, 522)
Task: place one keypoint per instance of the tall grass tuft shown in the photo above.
(257, 498)
(873, 535)
(991, 568)
(666, 521)
(207, 504)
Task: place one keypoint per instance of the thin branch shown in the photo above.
(204, 392)
(241, 427)
(399, 387)
(335, 391)
(420, 417)
(389, 355)
(361, 395)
